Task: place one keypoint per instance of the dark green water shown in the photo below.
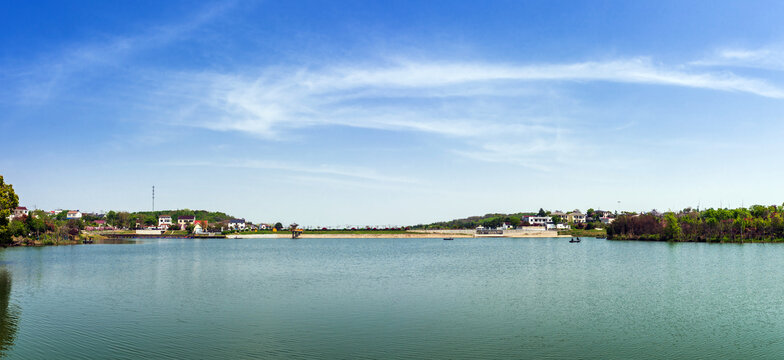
(393, 298)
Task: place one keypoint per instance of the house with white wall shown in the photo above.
(73, 214)
(164, 221)
(199, 226)
(237, 224)
(19, 212)
(538, 220)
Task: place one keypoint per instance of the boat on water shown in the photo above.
(449, 238)
(573, 240)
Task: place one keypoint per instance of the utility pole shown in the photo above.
(153, 198)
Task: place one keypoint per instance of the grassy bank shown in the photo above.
(597, 233)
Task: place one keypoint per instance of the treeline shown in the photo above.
(40, 226)
(49, 228)
(757, 223)
(487, 220)
(129, 220)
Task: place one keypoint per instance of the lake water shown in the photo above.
(393, 298)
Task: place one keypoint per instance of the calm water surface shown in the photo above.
(393, 298)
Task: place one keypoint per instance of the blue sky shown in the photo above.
(390, 113)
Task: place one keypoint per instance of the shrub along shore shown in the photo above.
(758, 223)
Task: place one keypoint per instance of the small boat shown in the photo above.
(449, 238)
(574, 240)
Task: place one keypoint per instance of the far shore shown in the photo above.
(388, 236)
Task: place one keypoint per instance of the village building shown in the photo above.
(199, 226)
(237, 224)
(538, 220)
(73, 214)
(603, 214)
(19, 212)
(575, 217)
(164, 221)
(185, 220)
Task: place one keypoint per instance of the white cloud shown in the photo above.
(478, 103)
(337, 171)
(384, 97)
(767, 58)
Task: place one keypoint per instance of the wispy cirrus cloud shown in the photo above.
(339, 172)
(767, 58)
(477, 102)
(396, 97)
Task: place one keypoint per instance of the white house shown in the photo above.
(200, 226)
(237, 224)
(19, 212)
(538, 220)
(73, 214)
(607, 220)
(164, 221)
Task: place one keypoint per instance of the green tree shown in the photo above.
(542, 212)
(150, 220)
(278, 226)
(672, 230)
(123, 220)
(8, 202)
(189, 228)
(111, 217)
(75, 224)
(35, 223)
(760, 211)
(17, 228)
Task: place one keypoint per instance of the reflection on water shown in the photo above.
(392, 299)
(115, 241)
(9, 314)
